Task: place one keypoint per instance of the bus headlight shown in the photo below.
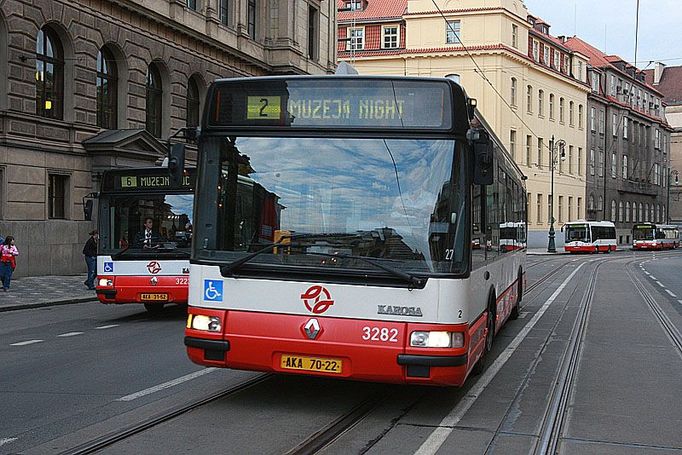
(105, 282)
(205, 323)
(437, 339)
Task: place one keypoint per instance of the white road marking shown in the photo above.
(646, 273)
(660, 284)
(166, 385)
(70, 334)
(673, 295)
(102, 327)
(26, 343)
(440, 434)
(652, 277)
(4, 441)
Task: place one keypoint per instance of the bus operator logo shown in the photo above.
(154, 267)
(317, 299)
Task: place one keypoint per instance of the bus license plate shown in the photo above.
(321, 364)
(154, 297)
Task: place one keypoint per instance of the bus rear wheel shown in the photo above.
(489, 337)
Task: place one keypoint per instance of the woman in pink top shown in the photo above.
(8, 252)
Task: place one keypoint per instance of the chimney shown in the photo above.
(658, 72)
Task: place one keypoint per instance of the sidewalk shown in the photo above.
(37, 291)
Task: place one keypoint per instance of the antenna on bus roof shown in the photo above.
(346, 68)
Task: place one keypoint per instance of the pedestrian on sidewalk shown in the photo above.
(8, 261)
(90, 253)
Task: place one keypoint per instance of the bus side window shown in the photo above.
(477, 229)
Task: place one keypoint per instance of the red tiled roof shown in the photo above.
(670, 85)
(376, 10)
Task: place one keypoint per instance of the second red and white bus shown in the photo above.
(590, 237)
(151, 271)
(650, 236)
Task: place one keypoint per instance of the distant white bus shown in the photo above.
(512, 236)
(649, 236)
(589, 236)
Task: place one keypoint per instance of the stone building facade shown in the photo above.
(628, 144)
(87, 85)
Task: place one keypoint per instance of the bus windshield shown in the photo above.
(643, 233)
(577, 233)
(130, 230)
(336, 202)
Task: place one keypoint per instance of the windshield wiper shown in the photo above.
(147, 251)
(408, 277)
(227, 270)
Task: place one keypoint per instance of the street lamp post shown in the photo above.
(554, 147)
(671, 172)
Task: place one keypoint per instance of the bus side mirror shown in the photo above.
(482, 147)
(176, 164)
(87, 209)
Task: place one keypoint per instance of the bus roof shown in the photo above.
(591, 223)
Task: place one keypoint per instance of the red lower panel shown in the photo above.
(130, 289)
(368, 350)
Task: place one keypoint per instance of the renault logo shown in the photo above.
(312, 329)
(153, 281)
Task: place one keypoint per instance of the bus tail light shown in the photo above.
(205, 323)
(437, 340)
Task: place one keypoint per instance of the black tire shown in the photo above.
(515, 311)
(154, 308)
(490, 337)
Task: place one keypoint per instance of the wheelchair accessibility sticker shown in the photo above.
(108, 267)
(213, 290)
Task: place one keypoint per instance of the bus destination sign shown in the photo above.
(141, 181)
(339, 103)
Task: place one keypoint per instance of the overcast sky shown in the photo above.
(609, 25)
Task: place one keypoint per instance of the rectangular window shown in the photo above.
(390, 40)
(570, 159)
(580, 161)
(224, 11)
(545, 57)
(570, 208)
(541, 103)
(591, 162)
(251, 17)
(192, 4)
(602, 120)
(538, 209)
(536, 51)
(357, 39)
(625, 127)
(512, 144)
(57, 192)
(452, 32)
(515, 36)
(540, 152)
(614, 166)
(557, 61)
(601, 163)
(625, 167)
(579, 209)
(529, 145)
(595, 82)
(657, 138)
(561, 110)
(513, 91)
(614, 124)
(560, 211)
(593, 119)
(313, 33)
(529, 99)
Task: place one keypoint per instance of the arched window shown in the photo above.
(193, 102)
(49, 75)
(541, 103)
(651, 214)
(646, 212)
(627, 212)
(590, 203)
(513, 91)
(551, 106)
(107, 107)
(613, 210)
(154, 101)
(620, 212)
(658, 213)
(600, 204)
(570, 113)
(640, 218)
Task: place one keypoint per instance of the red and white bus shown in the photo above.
(590, 236)
(376, 188)
(133, 268)
(650, 236)
(512, 236)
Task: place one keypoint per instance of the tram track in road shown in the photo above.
(121, 434)
(666, 324)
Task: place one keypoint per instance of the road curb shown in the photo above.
(24, 306)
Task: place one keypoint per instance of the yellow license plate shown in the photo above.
(303, 363)
(154, 297)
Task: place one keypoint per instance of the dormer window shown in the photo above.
(354, 5)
